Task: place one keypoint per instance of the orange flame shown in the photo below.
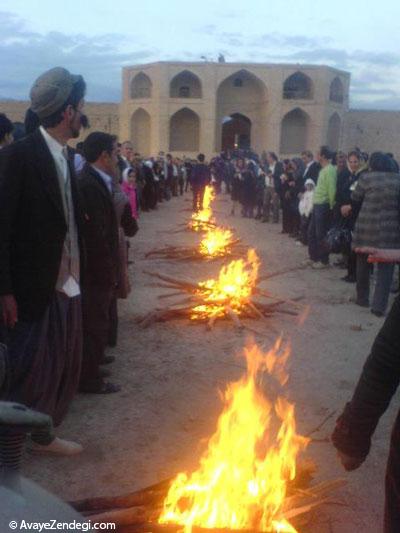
(216, 242)
(232, 289)
(241, 482)
(203, 218)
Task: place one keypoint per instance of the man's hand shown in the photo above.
(349, 463)
(9, 310)
(376, 255)
(345, 210)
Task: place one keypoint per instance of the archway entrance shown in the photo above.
(236, 132)
(242, 94)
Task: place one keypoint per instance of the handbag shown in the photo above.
(338, 239)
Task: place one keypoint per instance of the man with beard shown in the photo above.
(40, 245)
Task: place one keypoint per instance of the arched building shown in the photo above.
(186, 108)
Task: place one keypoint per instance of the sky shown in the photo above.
(96, 38)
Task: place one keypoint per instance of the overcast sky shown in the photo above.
(97, 38)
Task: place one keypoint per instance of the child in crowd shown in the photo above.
(305, 208)
(129, 187)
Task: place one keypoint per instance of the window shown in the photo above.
(297, 87)
(238, 82)
(184, 92)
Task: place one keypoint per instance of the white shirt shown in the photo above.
(79, 162)
(57, 150)
(105, 177)
(307, 167)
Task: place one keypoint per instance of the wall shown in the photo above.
(372, 131)
(102, 116)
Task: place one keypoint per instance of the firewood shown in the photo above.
(256, 310)
(234, 317)
(321, 424)
(127, 516)
(139, 497)
(169, 279)
(280, 272)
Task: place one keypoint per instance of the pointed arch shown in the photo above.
(298, 86)
(243, 79)
(333, 134)
(141, 131)
(184, 131)
(236, 132)
(336, 91)
(241, 93)
(185, 85)
(294, 132)
(141, 86)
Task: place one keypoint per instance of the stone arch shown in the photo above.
(298, 86)
(185, 85)
(236, 132)
(336, 91)
(242, 93)
(333, 135)
(184, 131)
(294, 132)
(140, 86)
(141, 132)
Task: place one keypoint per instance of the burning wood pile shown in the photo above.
(248, 478)
(235, 294)
(217, 243)
(202, 219)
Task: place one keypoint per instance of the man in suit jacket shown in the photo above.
(40, 260)
(312, 167)
(100, 278)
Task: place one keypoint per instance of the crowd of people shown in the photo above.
(65, 215)
(333, 203)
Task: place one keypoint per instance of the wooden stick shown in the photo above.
(321, 424)
(138, 497)
(280, 272)
(127, 516)
(255, 309)
(234, 317)
(169, 279)
(169, 295)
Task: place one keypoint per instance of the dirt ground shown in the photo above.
(171, 374)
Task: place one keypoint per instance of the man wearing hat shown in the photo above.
(40, 256)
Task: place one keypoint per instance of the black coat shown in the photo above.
(32, 224)
(312, 172)
(100, 230)
(200, 176)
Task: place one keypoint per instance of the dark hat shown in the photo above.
(51, 90)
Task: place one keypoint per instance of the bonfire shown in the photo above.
(249, 477)
(202, 219)
(243, 477)
(217, 243)
(233, 295)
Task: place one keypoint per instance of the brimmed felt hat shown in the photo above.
(51, 90)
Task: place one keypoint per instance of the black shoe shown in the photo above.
(377, 313)
(103, 388)
(349, 279)
(361, 304)
(107, 360)
(264, 220)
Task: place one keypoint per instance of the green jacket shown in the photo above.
(325, 191)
